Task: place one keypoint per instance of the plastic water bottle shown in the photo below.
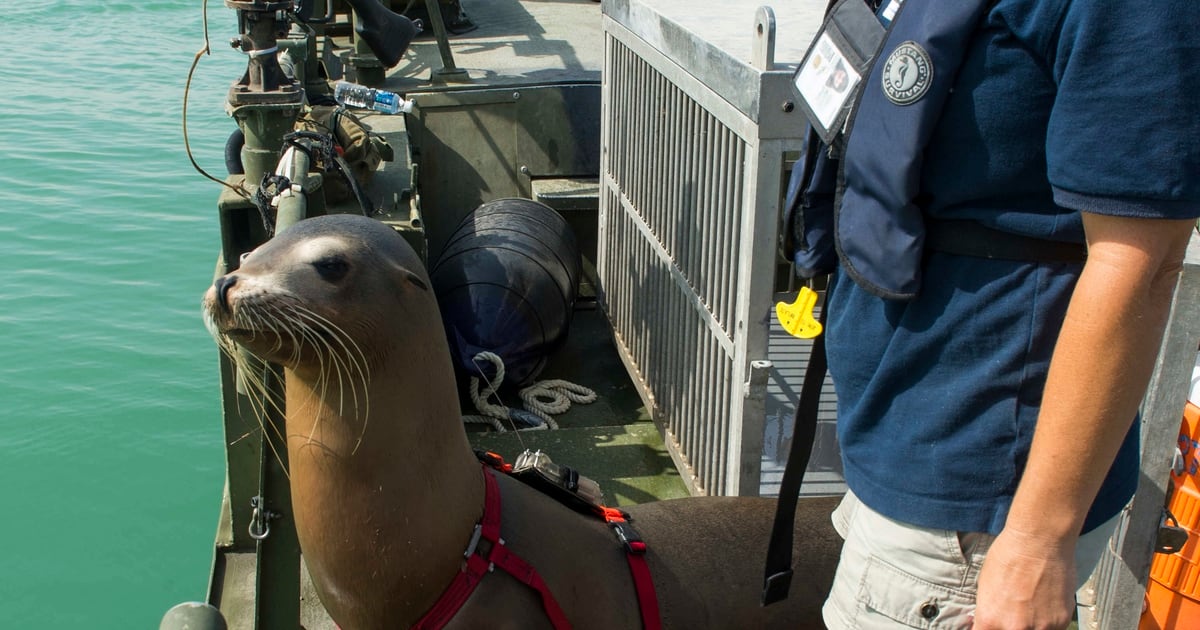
(354, 95)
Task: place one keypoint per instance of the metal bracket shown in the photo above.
(260, 519)
(1171, 537)
(764, 39)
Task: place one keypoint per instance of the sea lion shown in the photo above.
(387, 490)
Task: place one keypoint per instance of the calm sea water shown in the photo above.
(111, 461)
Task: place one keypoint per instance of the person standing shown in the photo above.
(1005, 229)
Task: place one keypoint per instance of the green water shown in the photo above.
(110, 445)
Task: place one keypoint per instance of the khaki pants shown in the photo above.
(895, 575)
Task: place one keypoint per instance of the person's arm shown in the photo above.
(1098, 375)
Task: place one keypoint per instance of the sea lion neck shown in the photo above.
(394, 450)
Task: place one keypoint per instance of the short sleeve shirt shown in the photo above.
(1060, 106)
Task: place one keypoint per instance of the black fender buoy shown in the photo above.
(233, 152)
(506, 283)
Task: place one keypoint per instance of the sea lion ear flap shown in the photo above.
(416, 279)
(410, 276)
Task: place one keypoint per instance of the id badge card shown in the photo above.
(828, 79)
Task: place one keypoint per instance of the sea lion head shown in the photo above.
(322, 293)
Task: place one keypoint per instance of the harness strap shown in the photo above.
(635, 549)
(453, 598)
(635, 552)
(514, 565)
(477, 566)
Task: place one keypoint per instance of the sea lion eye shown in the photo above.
(331, 268)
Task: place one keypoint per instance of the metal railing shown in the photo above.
(692, 172)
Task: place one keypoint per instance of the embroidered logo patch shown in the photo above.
(907, 73)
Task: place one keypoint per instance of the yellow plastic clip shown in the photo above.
(797, 317)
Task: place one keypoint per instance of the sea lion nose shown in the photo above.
(223, 285)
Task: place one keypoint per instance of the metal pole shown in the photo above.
(449, 71)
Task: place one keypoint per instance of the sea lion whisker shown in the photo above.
(349, 365)
(301, 334)
(268, 320)
(351, 349)
(304, 335)
(266, 403)
(321, 386)
(279, 458)
(282, 322)
(352, 360)
(257, 394)
(354, 365)
(330, 363)
(244, 436)
(321, 333)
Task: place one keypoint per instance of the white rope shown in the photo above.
(491, 414)
(554, 397)
(542, 399)
(494, 422)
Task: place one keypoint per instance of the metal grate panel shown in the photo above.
(691, 183)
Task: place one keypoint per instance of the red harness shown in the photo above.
(499, 556)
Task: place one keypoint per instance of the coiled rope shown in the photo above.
(543, 399)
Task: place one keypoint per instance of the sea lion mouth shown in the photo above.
(256, 337)
(228, 329)
(281, 330)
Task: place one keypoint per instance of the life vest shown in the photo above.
(860, 211)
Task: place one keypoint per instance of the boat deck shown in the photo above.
(613, 440)
(513, 42)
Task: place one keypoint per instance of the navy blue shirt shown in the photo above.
(1060, 106)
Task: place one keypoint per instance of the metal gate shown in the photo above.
(692, 172)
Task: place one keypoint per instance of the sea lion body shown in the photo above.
(386, 488)
(706, 557)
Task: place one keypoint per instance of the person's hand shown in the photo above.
(1026, 583)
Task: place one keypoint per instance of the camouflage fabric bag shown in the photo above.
(360, 150)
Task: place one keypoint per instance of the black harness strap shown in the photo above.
(777, 578)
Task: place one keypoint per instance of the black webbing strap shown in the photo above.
(968, 238)
(777, 578)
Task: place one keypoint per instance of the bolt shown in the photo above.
(788, 106)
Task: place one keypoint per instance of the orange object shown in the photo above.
(1173, 592)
